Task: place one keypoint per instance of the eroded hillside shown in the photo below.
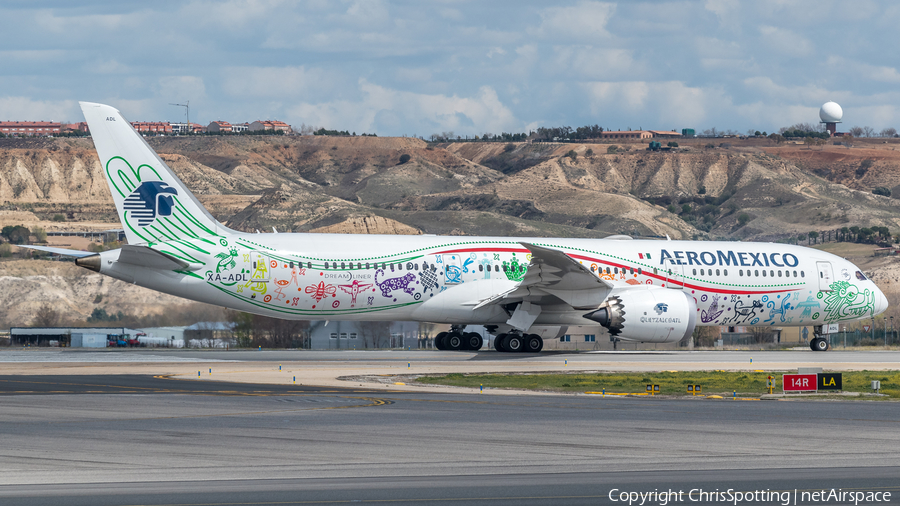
(359, 185)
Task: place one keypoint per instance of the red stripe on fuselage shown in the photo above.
(607, 262)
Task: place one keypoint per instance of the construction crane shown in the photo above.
(187, 113)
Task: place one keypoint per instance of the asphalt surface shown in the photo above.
(123, 440)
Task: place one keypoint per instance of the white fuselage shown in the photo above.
(440, 279)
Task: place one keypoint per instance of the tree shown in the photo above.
(743, 219)
(856, 131)
(882, 190)
(46, 316)
(813, 236)
(868, 131)
(889, 132)
(572, 154)
(801, 237)
(612, 150)
(672, 144)
(15, 234)
(589, 153)
(686, 208)
(777, 139)
(701, 190)
(844, 232)
(39, 234)
(404, 158)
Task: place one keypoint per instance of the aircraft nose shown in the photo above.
(881, 302)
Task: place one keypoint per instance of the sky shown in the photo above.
(470, 67)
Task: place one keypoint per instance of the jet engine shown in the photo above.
(647, 314)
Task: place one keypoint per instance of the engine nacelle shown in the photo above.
(647, 314)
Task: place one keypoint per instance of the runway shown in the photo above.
(128, 439)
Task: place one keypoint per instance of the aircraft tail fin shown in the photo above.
(153, 204)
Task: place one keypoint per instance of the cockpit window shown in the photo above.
(860, 276)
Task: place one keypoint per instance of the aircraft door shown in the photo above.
(674, 274)
(452, 269)
(259, 267)
(826, 276)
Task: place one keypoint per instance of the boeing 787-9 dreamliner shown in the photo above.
(520, 289)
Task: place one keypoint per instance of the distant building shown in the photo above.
(270, 125)
(638, 134)
(156, 127)
(240, 127)
(664, 133)
(75, 127)
(219, 126)
(182, 128)
(29, 128)
(631, 134)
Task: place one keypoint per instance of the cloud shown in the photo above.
(784, 41)
(284, 83)
(26, 109)
(394, 112)
(583, 21)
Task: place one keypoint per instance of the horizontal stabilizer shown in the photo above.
(143, 256)
(59, 251)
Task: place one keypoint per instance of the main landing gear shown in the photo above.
(514, 341)
(457, 340)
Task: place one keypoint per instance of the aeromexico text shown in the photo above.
(729, 258)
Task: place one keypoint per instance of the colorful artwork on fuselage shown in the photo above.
(845, 301)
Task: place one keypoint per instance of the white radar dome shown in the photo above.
(831, 113)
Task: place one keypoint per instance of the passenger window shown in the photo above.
(725, 271)
(616, 269)
(860, 276)
(717, 272)
(701, 272)
(695, 272)
(741, 272)
(342, 265)
(802, 275)
(756, 273)
(640, 271)
(409, 266)
(480, 268)
(292, 265)
(764, 273)
(779, 274)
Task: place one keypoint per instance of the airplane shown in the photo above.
(520, 289)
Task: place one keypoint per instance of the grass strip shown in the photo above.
(670, 383)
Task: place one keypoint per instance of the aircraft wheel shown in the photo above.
(439, 341)
(533, 343)
(820, 344)
(454, 341)
(513, 342)
(498, 342)
(474, 341)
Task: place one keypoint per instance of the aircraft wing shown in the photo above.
(59, 251)
(147, 257)
(551, 275)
